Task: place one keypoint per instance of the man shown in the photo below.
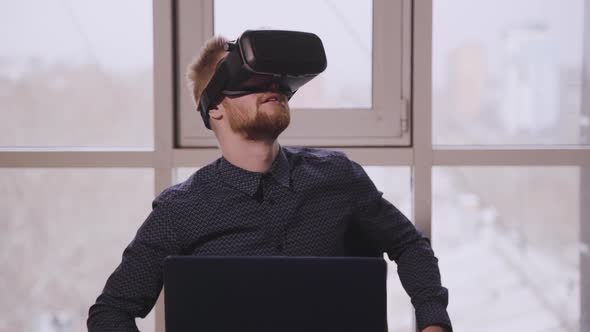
(261, 199)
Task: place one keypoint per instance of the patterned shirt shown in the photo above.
(311, 202)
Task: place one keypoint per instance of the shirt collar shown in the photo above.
(247, 181)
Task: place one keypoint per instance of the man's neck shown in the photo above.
(253, 156)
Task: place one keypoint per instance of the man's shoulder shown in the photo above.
(311, 162)
(197, 184)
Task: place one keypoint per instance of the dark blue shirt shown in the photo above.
(312, 202)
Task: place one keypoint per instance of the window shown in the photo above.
(346, 32)
(76, 100)
(507, 94)
(70, 79)
(508, 238)
(63, 233)
(458, 176)
(365, 89)
(513, 78)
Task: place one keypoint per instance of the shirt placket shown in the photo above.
(272, 213)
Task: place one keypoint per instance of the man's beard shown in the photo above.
(265, 124)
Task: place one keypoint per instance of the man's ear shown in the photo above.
(216, 113)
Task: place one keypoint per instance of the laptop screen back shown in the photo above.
(278, 294)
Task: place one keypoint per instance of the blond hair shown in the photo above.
(201, 70)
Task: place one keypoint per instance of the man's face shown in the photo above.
(258, 115)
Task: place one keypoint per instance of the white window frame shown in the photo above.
(422, 156)
(385, 124)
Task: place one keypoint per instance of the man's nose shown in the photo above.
(275, 87)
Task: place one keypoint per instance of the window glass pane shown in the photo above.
(394, 182)
(345, 28)
(62, 233)
(509, 243)
(508, 72)
(76, 73)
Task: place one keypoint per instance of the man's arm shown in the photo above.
(390, 231)
(133, 288)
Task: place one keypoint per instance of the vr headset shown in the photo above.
(260, 60)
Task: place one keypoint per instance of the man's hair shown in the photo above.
(201, 70)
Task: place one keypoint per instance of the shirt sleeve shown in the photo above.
(133, 288)
(391, 232)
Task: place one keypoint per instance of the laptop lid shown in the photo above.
(275, 294)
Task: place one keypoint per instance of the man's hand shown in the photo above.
(433, 328)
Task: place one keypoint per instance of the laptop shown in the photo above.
(275, 294)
